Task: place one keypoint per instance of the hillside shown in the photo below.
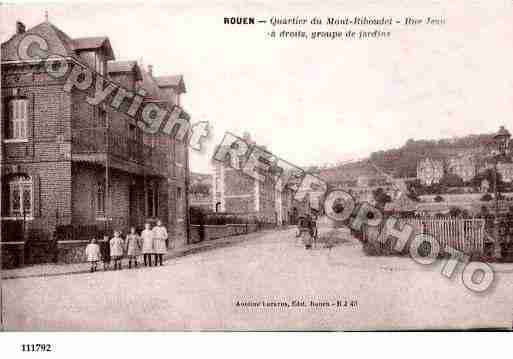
(402, 162)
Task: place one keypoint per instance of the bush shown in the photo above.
(12, 231)
(455, 212)
(373, 248)
(486, 197)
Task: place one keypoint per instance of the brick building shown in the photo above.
(236, 192)
(66, 162)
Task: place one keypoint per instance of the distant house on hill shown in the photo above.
(430, 171)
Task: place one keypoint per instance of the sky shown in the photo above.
(313, 102)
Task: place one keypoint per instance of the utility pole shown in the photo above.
(187, 184)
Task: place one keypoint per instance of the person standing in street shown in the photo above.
(92, 252)
(105, 251)
(159, 241)
(147, 244)
(133, 247)
(116, 249)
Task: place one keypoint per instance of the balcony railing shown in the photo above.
(100, 140)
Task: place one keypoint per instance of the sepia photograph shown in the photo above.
(256, 166)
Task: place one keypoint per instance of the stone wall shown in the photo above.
(13, 254)
(219, 231)
(71, 251)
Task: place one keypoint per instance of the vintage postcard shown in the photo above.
(256, 166)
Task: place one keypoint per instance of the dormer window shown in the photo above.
(17, 119)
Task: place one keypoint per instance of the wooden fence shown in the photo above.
(465, 235)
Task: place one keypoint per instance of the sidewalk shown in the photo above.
(53, 269)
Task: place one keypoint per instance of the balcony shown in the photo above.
(98, 144)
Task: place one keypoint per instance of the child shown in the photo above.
(159, 241)
(92, 252)
(116, 249)
(147, 244)
(133, 247)
(105, 250)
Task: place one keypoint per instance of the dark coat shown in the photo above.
(105, 250)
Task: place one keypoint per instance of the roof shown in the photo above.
(151, 87)
(59, 44)
(502, 132)
(175, 81)
(92, 43)
(124, 67)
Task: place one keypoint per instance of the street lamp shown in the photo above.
(501, 140)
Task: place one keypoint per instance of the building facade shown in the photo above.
(67, 162)
(464, 166)
(430, 171)
(506, 171)
(236, 192)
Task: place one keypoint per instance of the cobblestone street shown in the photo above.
(278, 284)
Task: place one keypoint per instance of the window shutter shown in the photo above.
(10, 120)
(36, 193)
(5, 198)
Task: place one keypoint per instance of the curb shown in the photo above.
(195, 248)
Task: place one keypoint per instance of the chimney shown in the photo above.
(20, 27)
(150, 69)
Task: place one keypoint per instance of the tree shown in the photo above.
(486, 197)
(413, 197)
(488, 174)
(451, 180)
(454, 212)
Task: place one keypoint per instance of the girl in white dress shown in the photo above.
(92, 252)
(147, 244)
(159, 241)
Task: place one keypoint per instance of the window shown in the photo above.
(217, 183)
(178, 153)
(20, 196)
(234, 162)
(133, 150)
(179, 203)
(132, 132)
(152, 197)
(99, 64)
(18, 116)
(100, 199)
(102, 116)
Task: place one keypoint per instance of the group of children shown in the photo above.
(151, 243)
